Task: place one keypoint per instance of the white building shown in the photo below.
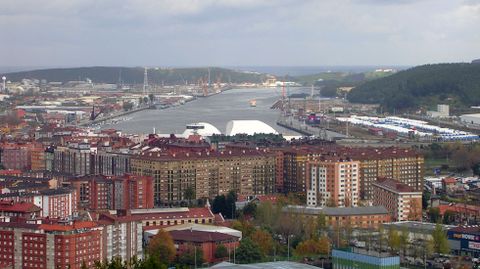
(443, 111)
(471, 118)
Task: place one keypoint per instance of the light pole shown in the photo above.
(195, 251)
(288, 247)
(4, 79)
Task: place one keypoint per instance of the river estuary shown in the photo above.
(217, 110)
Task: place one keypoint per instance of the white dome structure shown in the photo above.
(201, 128)
(249, 127)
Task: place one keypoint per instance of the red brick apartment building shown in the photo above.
(30, 246)
(368, 217)
(55, 244)
(401, 200)
(111, 193)
(405, 165)
(333, 181)
(54, 203)
(16, 155)
(247, 172)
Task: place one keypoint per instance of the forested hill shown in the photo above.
(134, 75)
(424, 86)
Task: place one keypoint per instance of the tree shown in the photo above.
(244, 226)
(415, 212)
(264, 240)
(440, 240)
(219, 205)
(248, 252)
(434, 214)
(151, 97)
(393, 240)
(322, 222)
(404, 240)
(313, 247)
(191, 256)
(267, 214)
(161, 247)
(324, 244)
(189, 194)
(381, 237)
(249, 209)
(448, 217)
(461, 159)
(288, 225)
(425, 199)
(225, 205)
(221, 252)
(230, 204)
(476, 168)
(310, 227)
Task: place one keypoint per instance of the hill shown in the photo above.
(457, 84)
(134, 75)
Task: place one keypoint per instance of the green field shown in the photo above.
(431, 163)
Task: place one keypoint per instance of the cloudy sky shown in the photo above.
(238, 32)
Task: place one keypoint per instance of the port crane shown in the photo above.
(94, 114)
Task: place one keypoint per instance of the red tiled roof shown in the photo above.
(10, 172)
(75, 226)
(192, 213)
(219, 218)
(265, 198)
(22, 207)
(394, 185)
(468, 229)
(200, 236)
(449, 180)
(459, 208)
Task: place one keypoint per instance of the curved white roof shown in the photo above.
(249, 127)
(207, 130)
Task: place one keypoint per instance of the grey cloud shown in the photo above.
(238, 32)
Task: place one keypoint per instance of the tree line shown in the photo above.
(457, 84)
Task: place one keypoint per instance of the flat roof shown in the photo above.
(265, 265)
(337, 211)
(418, 225)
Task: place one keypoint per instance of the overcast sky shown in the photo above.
(238, 32)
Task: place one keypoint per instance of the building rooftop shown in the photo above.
(265, 265)
(201, 236)
(473, 229)
(337, 211)
(21, 207)
(416, 226)
(393, 185)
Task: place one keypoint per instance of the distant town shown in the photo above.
(358, 185)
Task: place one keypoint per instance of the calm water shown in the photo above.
(216, 110)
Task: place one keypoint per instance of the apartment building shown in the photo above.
(401, 200)
(73, 159)
(333, 181)
(67, 244)
(16, 156)
(111, 193)
(247, 172)
(402, 164)
(368, 217)
(54, 203)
